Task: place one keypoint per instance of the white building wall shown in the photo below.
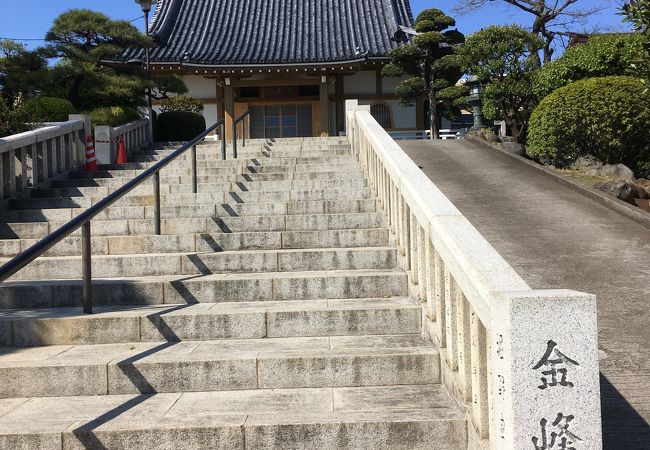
(200, 87)
(360, 83)
(389, 84)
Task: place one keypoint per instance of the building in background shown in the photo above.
(291, 63)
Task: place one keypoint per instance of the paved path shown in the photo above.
(556, 238)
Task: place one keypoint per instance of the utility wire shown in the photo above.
(42, 39)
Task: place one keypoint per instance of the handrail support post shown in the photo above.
(86, 263)
(223, 141)
(156, 200)
(194, 180)
(234, 140)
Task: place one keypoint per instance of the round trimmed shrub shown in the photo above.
(600, 56)
(181, 103)
(49, 109)
(113, 116)
(607, 117)
(179, 126)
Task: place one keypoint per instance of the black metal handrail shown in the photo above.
(83, 220)
(243, 131)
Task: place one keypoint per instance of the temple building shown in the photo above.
(291, 63)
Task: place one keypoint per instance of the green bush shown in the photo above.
(49, 109)
(606, 117)
(113, 116)
(179, 126)
(181, 103)
(13, 121)
(600, 56)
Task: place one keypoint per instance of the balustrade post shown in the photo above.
(21, 183)
(11, 173)
(34, 167)
(440, 296)
(464, 348)
(544, 369)
(450, 321)
(86, 263)
(479, 367)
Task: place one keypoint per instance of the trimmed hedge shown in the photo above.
(181, 103)
(179, 126)
(49, 109)
(600, 56)
(113, 116)
(606, 117)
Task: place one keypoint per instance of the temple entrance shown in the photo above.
(281, 121)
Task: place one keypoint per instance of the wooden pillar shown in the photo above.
(324, 108)
(229, 108)
(220, 104)
(340, 104)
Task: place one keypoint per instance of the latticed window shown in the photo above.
(381, 113)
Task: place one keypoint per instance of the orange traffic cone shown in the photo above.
(91, 160)
(121, 152)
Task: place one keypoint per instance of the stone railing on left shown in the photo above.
(34, 157)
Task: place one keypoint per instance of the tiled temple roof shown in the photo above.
(244, 33)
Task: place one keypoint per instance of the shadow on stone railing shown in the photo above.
(522, 362)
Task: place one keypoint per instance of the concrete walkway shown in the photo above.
(556, 238)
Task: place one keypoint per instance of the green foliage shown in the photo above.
(502, 58)
(409, 90)
(164, 85)
(181, 103)
(637, 12)
(600, 56)
(49, 109)
(179, 126)
(23, 73)
(113, 116)
(430, 63)
(13, 121)
(84, 39)
(606, 117)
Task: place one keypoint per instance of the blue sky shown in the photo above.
(32, 18)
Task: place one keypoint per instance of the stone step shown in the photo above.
(194, 225)
(204, 153)
(200, 198)
(257, 159)
(217, 288)
(257, 261)
(206, 179)
(209, 321)
(345, 418)
(213, 186)
(191, 366)
(200, 210)
(120, 245)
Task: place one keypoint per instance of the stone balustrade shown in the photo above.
(136, 134)
(33, 157)
(522, 362)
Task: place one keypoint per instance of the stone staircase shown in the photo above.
(270, 313)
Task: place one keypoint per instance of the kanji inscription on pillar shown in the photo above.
(556, 435)
(556, 367)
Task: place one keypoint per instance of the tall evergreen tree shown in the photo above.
(431, 61)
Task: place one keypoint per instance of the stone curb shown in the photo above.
(631, 212)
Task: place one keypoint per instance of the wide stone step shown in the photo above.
(206, 179)
(262, 159)
(193, 225)
(212, 186)
(151, 264)
(345, 418)
(217, 288)
(191, 366)
(200, 210)
(120, 245)
(209, 321)
(200, 198)
(204, 153)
